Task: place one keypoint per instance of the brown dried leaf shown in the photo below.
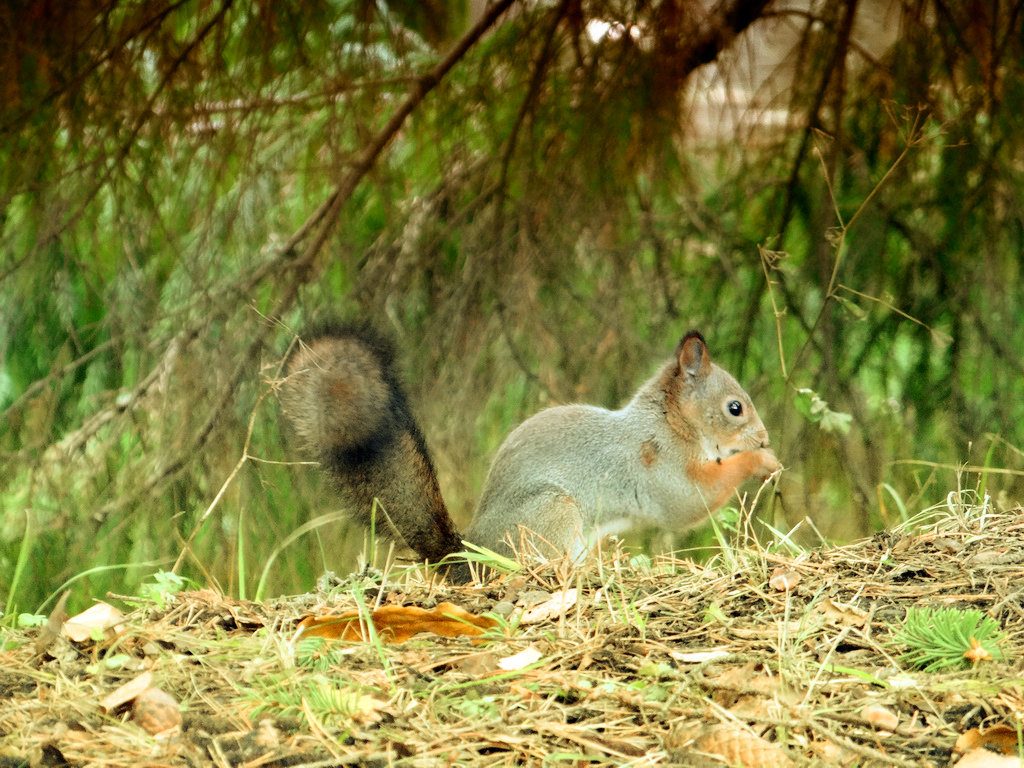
(880, 717)
(998, 738)
(982, 758)
(843, 614)
(397, 623)
(557, 605)
(698, 657)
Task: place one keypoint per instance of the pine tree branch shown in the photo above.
(303, 266)
(325, 217)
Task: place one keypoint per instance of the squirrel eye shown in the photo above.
(735, 407)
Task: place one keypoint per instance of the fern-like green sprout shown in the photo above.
(948, 638)
(318, 654)
(329, 701)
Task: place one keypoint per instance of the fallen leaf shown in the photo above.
(880, 717)
(982, 758)
(698, 657)
(126, 692)
(397, 623)
(842, 614)
(98, 621)
(555, 606)
(524, 658)
(998, 738)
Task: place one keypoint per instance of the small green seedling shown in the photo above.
(947, 638)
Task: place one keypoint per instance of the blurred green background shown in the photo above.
(831, 192)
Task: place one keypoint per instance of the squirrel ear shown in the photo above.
(692, 354)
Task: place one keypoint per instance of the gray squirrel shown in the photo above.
(561, 480)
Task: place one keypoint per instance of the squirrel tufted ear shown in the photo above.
(692, 354)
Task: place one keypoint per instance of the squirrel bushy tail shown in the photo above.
(347, 409)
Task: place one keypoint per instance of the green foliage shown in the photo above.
(948, 638)
(161, 585)
(489, 560)
(319, 654)
(815, 410)
(331, 704)
(31, 620)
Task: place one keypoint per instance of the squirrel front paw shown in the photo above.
(767, 463)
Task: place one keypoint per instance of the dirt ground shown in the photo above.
(758, 658)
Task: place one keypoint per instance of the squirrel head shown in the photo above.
(706, 406)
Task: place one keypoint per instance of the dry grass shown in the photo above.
(804, 675)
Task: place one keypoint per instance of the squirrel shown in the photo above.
(561, 480)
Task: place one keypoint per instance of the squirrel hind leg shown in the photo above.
(546, 524)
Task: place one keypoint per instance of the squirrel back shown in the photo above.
(561, 480)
